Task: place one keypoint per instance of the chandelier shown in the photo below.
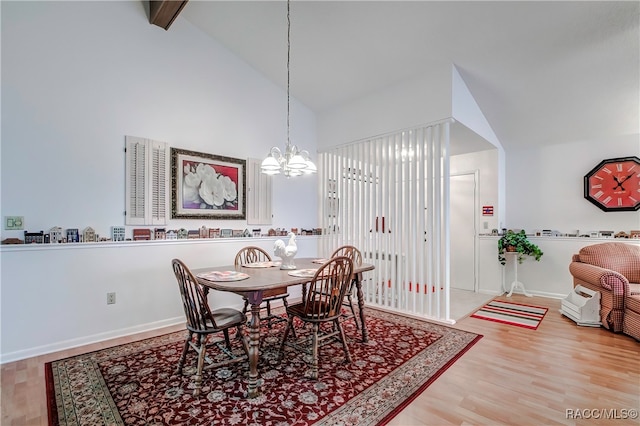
(293, 161)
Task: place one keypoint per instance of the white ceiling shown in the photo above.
(541, 72)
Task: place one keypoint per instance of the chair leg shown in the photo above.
(245, 308)
(314, 350)
(201, 354)
(343, 339)
(268, 303)
(183, 357)
(284, 337)
(286, 306)
(353, 312)
(352, 291)
(226, 338)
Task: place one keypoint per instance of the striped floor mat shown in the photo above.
(526, 316)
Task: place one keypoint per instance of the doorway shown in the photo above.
(463, 207)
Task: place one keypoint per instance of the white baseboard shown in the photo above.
(87, 340)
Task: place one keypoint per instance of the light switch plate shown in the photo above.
(13, 222)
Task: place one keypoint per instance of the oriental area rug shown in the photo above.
(527, 316)
(136, 383)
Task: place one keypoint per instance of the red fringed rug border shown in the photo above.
(428, 383)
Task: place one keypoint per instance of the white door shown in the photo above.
(463, 231)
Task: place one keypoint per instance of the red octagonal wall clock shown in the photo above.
(614, 184)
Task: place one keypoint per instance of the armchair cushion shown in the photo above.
(620, 257)
(613, 269)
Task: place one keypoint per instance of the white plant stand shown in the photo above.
(513, 259)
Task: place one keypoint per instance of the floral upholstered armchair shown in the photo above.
(613, 269)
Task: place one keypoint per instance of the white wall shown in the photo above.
(76, 78)
(486, 163)
(545, 186)
(54, 296)
(79, 76)
(408, 104)
(549, 277)
(465, 109)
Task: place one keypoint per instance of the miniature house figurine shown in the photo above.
(172, 234)
(117, 233)
(204, 232)
(73, 235)
(141, 234)
(183, 234)
(33, 237)
(159, 234)
(89, 235)
(55, 235)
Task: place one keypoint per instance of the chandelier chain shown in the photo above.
(293, 161)
(288, 66)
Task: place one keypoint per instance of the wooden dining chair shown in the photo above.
(202, 321)
(356, 256)
(253, 254)
(321, 304)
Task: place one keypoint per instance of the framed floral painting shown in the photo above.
(206, 186)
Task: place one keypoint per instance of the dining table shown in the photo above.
(258, 280)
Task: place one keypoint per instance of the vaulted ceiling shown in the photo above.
(541, 72)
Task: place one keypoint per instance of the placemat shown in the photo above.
(262, 264)
(223, 276)
(303, 273)
(320, 261)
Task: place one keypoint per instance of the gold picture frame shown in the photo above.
(207, 186)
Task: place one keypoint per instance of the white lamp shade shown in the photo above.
(311, 168)
(297, 162)
(270, 163)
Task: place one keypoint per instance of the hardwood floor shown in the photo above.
(511, 376)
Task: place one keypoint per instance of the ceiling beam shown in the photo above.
(163, 12)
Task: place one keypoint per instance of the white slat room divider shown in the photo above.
(389, 196)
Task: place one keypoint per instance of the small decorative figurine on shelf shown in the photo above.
(286, 253)
(118, 233)
(89, 235)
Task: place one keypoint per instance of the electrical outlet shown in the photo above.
(111, 298)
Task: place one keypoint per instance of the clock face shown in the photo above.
(614, 184)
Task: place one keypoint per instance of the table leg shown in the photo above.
(365, 333)
(254, 344)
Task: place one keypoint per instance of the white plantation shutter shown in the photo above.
(159, 183)
(258, 194)
(147, 181)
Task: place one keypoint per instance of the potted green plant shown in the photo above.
(519, 243)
